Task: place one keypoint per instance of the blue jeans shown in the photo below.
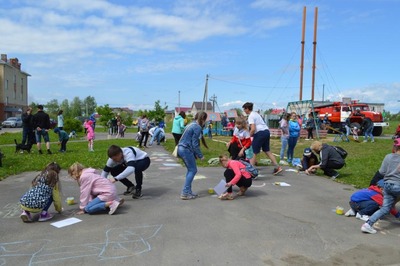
(284, 141)
(190, 163)
(291, 144)
(348, 130)
(366, 207)
(96, 205)
(368, 133)
(390, 193)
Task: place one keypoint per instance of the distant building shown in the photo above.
(197, 107)
(13, 88)
(187, 110)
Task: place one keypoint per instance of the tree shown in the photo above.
(66, 109)
(89, 105)
(52, 107)
(158, 113)
(105, 113)
(76, 107)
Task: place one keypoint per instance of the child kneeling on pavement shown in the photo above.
(366, 201)
(97, 193)
(45, 191)
(235, 174)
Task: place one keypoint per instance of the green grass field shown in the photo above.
(363, 161)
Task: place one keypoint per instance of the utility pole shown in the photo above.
(323, 92)
(214, 100)
(302, 54)
(314, 52)
(205, 97)
(179, 101)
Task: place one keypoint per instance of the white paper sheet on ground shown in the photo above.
(292, 170)
(66, 222)
(282, 184)
(171, 164)
(220, 187)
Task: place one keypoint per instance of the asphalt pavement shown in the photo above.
(271, 225)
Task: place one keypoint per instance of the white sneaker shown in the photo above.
(362, 217)
(350, 213)
(366, 228)
(113, 207)
(283, 162)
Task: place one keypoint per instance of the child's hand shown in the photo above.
(80, 212)
(228, 185)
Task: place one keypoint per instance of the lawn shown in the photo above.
(363, 161)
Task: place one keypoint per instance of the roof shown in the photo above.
(198, 105)
(185, 109)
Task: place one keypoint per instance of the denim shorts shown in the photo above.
(261, 141)
(43, 133)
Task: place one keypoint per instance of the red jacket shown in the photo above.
(245, 142)
(239, 170)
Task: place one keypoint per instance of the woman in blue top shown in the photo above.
(178, 126)
(294, 133)
(189, 151)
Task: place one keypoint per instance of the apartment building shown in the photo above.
(13, 88)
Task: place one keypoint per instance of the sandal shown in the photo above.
(226, 196)
(242, 191)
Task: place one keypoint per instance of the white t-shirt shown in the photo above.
(241, 134)
(256, 119)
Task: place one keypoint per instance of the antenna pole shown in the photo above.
(314, 53)
(302, 54)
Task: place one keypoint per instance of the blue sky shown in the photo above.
(133, 53)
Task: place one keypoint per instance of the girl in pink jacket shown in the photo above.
(90, 134)
(97, 193)
(235, 174)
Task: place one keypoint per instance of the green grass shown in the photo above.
(363, 161)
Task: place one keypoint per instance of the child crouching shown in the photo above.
(97, 193)
(45, 191)
(235, 174)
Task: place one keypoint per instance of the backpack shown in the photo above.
(143, 125)
(249, 168)
(342, 152)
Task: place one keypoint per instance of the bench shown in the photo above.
(276, 133)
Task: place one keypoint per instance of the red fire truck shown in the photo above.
(338, 112)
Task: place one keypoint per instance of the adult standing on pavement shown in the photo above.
(260, 133)
(189, 151)
(123, 162)
(391, 187)
(178, 126)
(41, 122)
(28, 134)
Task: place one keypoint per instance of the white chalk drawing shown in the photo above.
(119, 243)
(10, 210)
(262, 185)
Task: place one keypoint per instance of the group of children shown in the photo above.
(63, 136)
(97, 194)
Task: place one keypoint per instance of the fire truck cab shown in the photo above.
(338, 112)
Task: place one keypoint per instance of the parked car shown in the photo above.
(12, 122)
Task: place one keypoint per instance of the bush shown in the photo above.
(73, 124)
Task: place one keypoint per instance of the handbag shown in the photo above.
(249, 152)
(175, 152)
